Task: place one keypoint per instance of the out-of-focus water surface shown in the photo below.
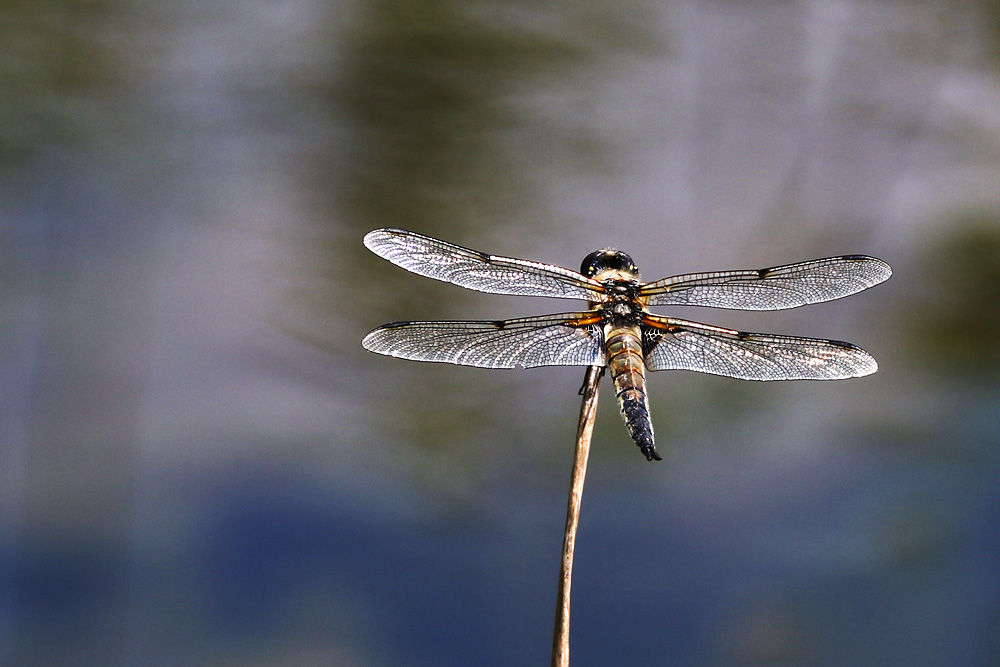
(201, 465)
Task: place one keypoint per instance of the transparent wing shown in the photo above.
(477, 270)
(565, 339)
(774, 288)
(673, 344)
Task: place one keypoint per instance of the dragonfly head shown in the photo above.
(609, 260)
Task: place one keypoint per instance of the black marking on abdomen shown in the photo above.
(635, 411)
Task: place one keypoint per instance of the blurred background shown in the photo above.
(200, 465)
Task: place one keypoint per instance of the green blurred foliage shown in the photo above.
(956, 316)
(58, 55)
(438, 129)
(430, 94)
(989, 10)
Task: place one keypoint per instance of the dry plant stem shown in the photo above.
(588, 411)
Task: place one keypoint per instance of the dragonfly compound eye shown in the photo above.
(607, 259)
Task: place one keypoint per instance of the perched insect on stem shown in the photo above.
(617, 330)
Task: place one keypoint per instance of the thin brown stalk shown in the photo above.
(588, 411)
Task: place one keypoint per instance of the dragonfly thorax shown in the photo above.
(622, 305)
(624, 309)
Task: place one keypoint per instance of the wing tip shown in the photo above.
(870, 367)
(369, 342)
(376, 237)
(374, 340)
(884, 270)
(881, 271)
(373, 238)
(865, 363)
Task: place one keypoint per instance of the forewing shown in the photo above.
(565, 339)
(477, 270)
(673, 344)
(773, 288)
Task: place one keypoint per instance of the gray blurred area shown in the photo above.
(202, 466)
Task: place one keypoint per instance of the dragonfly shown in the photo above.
(617, 332)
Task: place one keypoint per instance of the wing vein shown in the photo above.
(675, 344)
(547, 340)
(479, 271)
(775, 288)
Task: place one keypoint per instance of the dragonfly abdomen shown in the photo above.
(624, 352)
